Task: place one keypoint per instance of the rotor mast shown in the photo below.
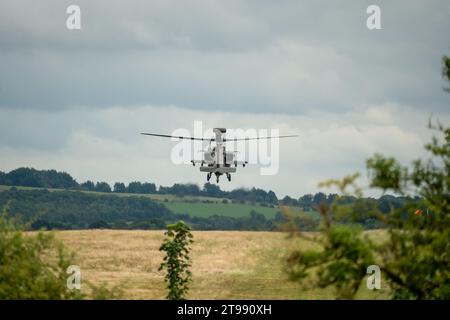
(219, 142)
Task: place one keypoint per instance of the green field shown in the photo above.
(235, 210)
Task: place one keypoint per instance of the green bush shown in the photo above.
(32, 266)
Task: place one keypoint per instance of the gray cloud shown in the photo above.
(258, 56)
(75, 100)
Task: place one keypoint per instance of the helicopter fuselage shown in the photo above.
(216, 160)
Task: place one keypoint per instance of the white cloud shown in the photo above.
(108, 146)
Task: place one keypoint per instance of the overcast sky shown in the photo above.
(77, 100)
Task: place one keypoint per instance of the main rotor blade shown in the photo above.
(178, 137)
(259, 138)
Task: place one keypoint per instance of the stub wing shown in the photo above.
(218, 169)
(240, 163)
(200, 162)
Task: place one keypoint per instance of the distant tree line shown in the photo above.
(310, 202)
(62, 210)
(29, 177)
(65, 210)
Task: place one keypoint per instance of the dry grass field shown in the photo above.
(226, 264)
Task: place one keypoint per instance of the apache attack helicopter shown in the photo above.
(216, 159)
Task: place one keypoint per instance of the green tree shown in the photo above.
(305, 201)
(148, 187)
(102, 187)
(34, 266)
(446, 70)
(88, 185)
(415, 258)
(177, 261)
(134, 187)
(212, 190)
(120, 187)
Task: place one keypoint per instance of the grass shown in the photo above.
(224, 209)
(226, 264)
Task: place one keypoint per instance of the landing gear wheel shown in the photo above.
(217, 178)
(229, 177)
(208, 176)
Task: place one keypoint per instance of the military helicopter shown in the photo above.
(216, 159)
